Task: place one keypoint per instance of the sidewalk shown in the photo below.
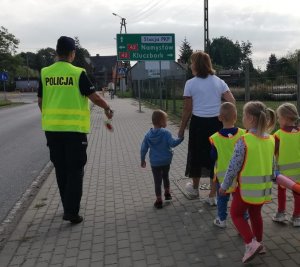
(121, 227)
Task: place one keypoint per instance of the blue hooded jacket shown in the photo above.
(160, 143)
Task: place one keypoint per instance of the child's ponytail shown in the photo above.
(271, 117)
(265, 117)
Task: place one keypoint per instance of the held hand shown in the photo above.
(143, 164)
(222, 192)
(181, 133)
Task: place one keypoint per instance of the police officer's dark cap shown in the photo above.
(65, 43)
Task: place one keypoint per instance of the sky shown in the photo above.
(272, 26)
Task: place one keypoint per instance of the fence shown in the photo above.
(166, 93)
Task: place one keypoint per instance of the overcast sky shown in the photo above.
(272, 26)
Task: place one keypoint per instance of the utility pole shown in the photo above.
(120, 64)
(206, 37)
(27, 72)
(123, 22)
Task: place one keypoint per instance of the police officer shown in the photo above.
(63, 99)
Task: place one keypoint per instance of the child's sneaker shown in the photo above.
(263, 249)
(295, 221)
(219, 223)
(251, 250)
(212, 201)
(158, 204)
(279, 217)
(194, 193)
(168, 196)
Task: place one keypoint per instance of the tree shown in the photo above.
(229, 55)
(272, 67)
(82, 56)
(225, 53)
(8, 45)
(246, 51)
(285, 67)
(185, 52)
(30, 59)
(293, 59)
(8, 42)
(45, 57)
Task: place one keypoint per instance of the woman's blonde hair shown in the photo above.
(289, 111)
(202, 64)
(158, 116)
(265, 117)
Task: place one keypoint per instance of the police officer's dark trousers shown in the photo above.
(68, 154)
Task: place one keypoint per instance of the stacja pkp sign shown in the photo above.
(146, 47)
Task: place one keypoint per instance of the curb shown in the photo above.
(18, 210)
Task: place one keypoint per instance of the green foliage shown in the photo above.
(45, 57)
(126, 94)
(30, 59)
(4, 102)
(82, 57)
(23, 71)
(8, 42)
(293, 59)
(272, 66)
(282, 70)
(229, 55)
(184, 57)
(185, 51)
(8, 46)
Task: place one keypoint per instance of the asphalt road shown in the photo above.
(23, 151)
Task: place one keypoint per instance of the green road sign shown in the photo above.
(146, 47)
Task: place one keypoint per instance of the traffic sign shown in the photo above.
(122, 71)
(3, 76)
(146, 47)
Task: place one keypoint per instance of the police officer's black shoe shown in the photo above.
(73, 218)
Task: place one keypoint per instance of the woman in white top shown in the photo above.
(203, 95)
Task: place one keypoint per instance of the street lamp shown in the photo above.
(123, 22)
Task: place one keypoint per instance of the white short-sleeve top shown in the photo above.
(206, 95)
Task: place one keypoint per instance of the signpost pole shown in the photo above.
(4, 78)
(5, 98)
(139, 90)
(160, 89)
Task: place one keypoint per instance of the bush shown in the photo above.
(126, 94)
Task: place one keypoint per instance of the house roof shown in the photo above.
(103, 63)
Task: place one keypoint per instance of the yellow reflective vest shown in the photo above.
(64, 109)
(288, 159)
(255, 178)
(225, 147)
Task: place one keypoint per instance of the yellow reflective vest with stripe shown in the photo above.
(255, 178)
(288, 159)
(64, 109)
(225, 147)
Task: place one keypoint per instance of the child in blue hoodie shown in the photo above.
(160, 142)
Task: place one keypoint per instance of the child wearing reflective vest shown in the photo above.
(223, 143)
(287, 151)
(252, 163)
